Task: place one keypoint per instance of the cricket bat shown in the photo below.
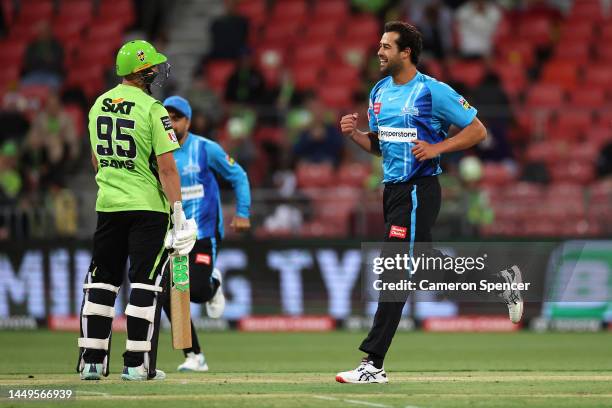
(180, 308)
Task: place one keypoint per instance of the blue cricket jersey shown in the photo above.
(195, 161)
(423, 109)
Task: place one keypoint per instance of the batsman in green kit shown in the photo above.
(132, 143)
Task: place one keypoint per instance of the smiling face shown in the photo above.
(391, 59)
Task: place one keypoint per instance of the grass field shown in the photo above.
(297, 370)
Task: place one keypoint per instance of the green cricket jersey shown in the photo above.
(127, 130)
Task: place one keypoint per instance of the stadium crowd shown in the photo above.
(278, 75)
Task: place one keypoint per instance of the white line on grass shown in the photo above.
(351, 401)
(102, 394)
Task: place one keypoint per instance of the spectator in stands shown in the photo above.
(496, 115)
(320, 141)
(604, 161)
(152, 15)
(477, 21)
(44, 59)
(246, 85)
(35, 165)
(10, 180)
(435, 21)
(15, 123)
(228, 34)
(56, 129)
(204, 100)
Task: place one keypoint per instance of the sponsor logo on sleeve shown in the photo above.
(464, 103)
(202, 259)
(165, 120)
(230, 159)
(172, 136)
(377, 107)
(398, 232)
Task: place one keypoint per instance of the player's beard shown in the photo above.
(393, 67)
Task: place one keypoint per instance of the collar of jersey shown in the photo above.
(411, 82)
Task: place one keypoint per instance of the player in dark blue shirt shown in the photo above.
(197, 161)
(411, 117)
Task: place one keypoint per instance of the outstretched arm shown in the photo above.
(231, 171)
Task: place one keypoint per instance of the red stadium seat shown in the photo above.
(564, 191)
(35, 11)
(545, 96)
(281, 33)
(588, 97)
(363, 28)
(586, 151)
(306, 77)
(7, 10)
(606, 33)
(601, 191)
(576, 31)
(598, 76)
(516, 52)
(81, 10)
(574, 50)
(590, 10)
(322, 31)
(90, 79)
(68, 28)
(105, 31)
(254, 10)
(535, 31)
(269, 134)
(604, 117)
(330, 10)
(575, 120)
(435, 69)
(599, 135)
(353, 174)
(336, 96)
(525, 193)
(342, 74)
(573, 171)
(8, 76)
(290, 10)
(560, 72)
(11, 53)
(320, 228)
(513, 78)
(469, 73)
(494, 174)
(314, 175)
(604, 53)
(311, 54)
(121, 11)
(217, 73)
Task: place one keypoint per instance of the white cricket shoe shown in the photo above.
(216, 305)
(513, 298)
(92, 371)
(366, 373)
(193, 362)
(140, 374)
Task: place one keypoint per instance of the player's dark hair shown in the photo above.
(409, 37)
